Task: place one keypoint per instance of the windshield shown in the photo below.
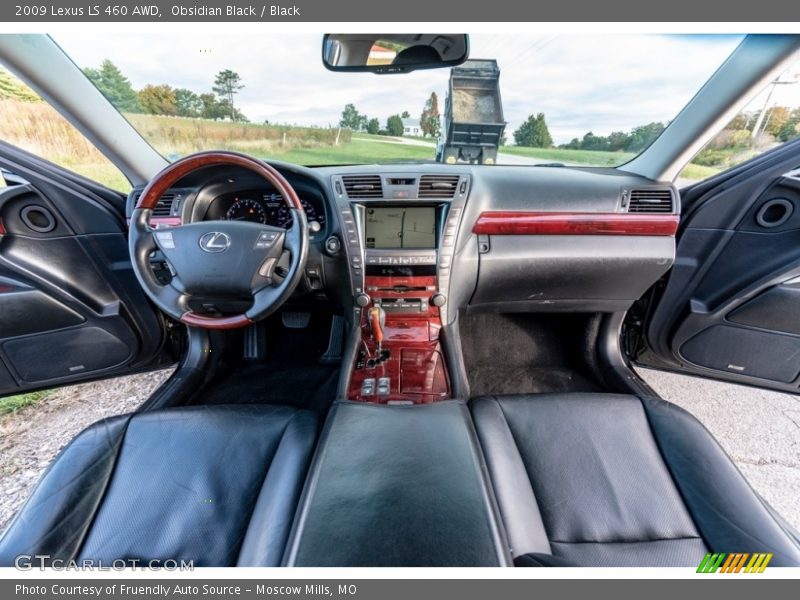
(570, 99)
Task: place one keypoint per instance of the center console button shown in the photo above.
(368, 387)
(362, 300)
(333, 245)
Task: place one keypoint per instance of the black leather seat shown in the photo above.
(616, 480)
(216, 485)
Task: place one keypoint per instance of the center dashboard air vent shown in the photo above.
(438, 186)
(651, 200)
(363, 186)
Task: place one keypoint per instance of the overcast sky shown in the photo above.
(600, 83)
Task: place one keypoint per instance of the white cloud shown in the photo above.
(600, 83)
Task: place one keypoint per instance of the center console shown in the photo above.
(400, 232)
(404, 486)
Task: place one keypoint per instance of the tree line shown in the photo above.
(429, 121)
(534, 133)
(635, 140)
(777, 124)
(751, 130)
(163, 99)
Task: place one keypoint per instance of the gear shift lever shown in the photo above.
(376, 320)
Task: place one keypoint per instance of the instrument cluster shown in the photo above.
(261, 206)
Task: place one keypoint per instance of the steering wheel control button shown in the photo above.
(165, 240)
(268, 267)
(266, 239)
(215, 241)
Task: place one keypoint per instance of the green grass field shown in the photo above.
(15, 403)
(580, 157)
(360, 150)
(694, 172)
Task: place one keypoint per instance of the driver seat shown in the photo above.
(216, 485)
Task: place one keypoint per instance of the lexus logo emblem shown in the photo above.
(215, 241)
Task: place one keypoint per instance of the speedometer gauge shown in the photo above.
(281, 216)
(246, 209)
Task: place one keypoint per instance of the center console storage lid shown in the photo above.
(398, 485)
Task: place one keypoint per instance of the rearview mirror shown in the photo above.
(393, 52)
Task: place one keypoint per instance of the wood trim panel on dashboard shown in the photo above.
(563, 223)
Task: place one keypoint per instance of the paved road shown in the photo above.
(760, 430)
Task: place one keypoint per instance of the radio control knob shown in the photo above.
(438, 300)
(362, 300)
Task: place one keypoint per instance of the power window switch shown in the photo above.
(368, 386)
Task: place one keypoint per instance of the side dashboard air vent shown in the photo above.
(438, 186)
(651, 200)
(363, 186)
(164, 207)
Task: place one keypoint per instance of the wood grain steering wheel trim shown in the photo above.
(233, 322)
(171, 174)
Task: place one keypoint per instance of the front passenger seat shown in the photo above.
(215, 485)
(616, 480)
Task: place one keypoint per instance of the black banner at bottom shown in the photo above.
(733, 586)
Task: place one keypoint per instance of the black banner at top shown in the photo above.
(393, 11)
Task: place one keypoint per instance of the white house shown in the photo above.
(411, 127)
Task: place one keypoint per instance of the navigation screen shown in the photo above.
(401, 227)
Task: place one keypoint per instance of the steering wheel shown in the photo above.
(216, 259)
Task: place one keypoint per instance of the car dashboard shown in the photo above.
(420, 244)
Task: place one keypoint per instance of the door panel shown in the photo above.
(775, 309)
(70, 306)
(730, 307)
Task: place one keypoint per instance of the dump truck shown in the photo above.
(473, 115)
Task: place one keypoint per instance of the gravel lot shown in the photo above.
(759, 429)
(31, 437)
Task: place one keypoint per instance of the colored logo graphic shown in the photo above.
(734, 562)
